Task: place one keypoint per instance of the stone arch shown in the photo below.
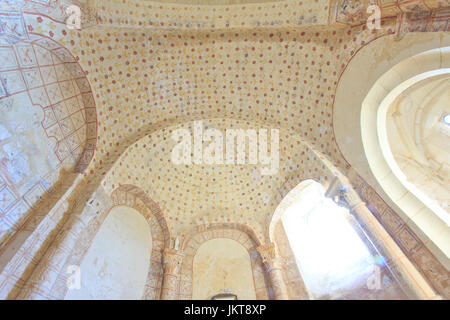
(416, 48)
(294, 181)
(42, 68)
(84, 192)
(240, 233)
(363, 148)
(120, 148)
(129, 196)
(117, 263)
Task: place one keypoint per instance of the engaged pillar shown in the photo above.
(172, 260)
(270, 260)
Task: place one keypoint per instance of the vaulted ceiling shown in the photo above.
(156, 67)
(419, 138)
(214, 2)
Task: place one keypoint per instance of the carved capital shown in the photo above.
(349, 196)
(343, 194)
(172, 260)
(268, 253)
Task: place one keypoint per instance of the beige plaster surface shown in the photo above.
(419, 139)
(222, 265)
(117, 262)
(152, 67)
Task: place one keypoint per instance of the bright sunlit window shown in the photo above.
(446, 119)
(329, 253)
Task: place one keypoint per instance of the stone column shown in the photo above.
(273, 269)
(410, 279)
(172, 260)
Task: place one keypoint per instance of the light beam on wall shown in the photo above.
(446, 119)
(329, 253)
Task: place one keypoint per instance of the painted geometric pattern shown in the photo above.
(29, 66)
(45, 74)
(236, 232)
(231, 67)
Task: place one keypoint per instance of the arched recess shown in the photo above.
(361, 145)
(306, 166)
(300, 179)
(149, 159)
(243, 235)
(116, 264)
(125, 195)
(413, 55)
(48, 129)
(135, 198)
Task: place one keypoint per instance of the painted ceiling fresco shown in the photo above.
(145, 80)
(105, 99)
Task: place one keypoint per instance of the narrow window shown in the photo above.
(329, 253)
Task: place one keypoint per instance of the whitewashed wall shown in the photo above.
(117, 263)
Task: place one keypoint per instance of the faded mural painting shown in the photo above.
(86, 117)
(48, 122)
